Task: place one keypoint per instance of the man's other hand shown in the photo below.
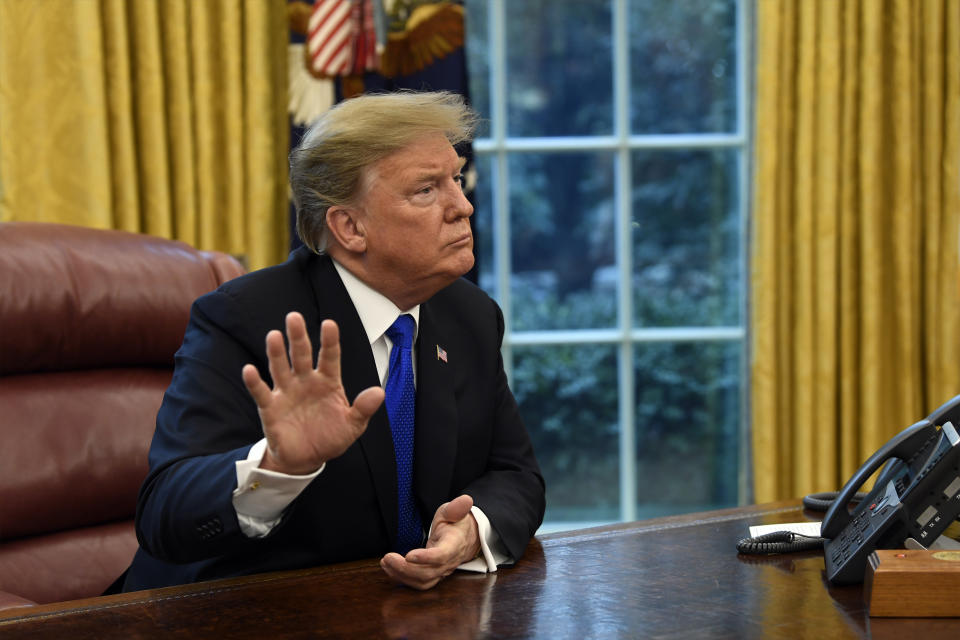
(306, 417)
(454, 540)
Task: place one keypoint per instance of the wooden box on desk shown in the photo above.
(913, 583)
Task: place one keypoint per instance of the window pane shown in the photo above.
(683, 66)
(482, 198)
(562, 230)
(688, 409)
(686, 238)
(559, 73)
(684, 262)
(478, 60)
(568, 397)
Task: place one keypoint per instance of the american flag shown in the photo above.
(341, 37)
(441, 354)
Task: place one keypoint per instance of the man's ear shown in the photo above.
(347, 229)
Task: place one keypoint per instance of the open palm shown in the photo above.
(306, 417)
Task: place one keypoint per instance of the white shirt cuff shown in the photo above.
(492, 552)
(262, 495)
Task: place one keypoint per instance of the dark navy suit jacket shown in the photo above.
(469, 435)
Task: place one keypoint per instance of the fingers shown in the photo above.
(298, 358)
(418, 576)
(450, 545)
(277, 358)
(455, 510)
(284, 364)
(328, 362)
(442, 553)
(454, 534)
(301, 356)
(366, 404)
(255, 385)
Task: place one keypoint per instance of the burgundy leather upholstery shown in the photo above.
(89, 322)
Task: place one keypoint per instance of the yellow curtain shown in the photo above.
(856, 207)
(165, 117)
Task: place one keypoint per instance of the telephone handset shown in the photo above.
(916, 495)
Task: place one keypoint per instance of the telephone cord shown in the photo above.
(788, 541)
(779, 542)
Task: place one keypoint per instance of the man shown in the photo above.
(263, 463)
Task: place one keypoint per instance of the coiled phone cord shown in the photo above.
(779, 542)
(787, 541)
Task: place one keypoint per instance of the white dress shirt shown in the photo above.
(262, 495)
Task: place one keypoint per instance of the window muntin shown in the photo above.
(631, 365)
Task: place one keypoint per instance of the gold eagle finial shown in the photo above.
(431, 32)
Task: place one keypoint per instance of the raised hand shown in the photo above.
(454, 540)
(306, 417)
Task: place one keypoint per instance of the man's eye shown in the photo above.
(460, 180)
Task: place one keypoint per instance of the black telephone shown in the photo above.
(916, 495)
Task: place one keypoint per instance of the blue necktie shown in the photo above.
(400, 400)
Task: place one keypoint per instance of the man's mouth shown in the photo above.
(462, 240)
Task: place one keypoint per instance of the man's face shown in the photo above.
(416, 220)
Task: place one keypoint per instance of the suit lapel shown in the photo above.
(358, 372)
(435, 441)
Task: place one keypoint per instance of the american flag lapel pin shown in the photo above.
(441, 353)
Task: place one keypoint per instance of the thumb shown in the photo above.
(366, 403)
(455, 510)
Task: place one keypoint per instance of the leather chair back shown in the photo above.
(89, 323)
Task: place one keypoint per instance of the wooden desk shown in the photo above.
(677, 577)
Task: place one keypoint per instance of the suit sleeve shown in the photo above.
(511, 492)
(206, 423)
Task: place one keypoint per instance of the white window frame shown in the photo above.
(497, 146)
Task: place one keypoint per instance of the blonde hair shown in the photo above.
(327, 167)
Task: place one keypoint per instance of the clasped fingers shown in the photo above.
(418, 571)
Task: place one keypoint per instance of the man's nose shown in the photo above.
(459, 206)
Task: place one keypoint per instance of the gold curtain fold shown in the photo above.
(165, 117)
(855, 278)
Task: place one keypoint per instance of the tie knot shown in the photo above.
(401, 331)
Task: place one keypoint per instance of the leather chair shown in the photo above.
(89, 323)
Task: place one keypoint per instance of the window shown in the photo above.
(611, 214)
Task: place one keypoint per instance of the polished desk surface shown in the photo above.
(675, 577)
